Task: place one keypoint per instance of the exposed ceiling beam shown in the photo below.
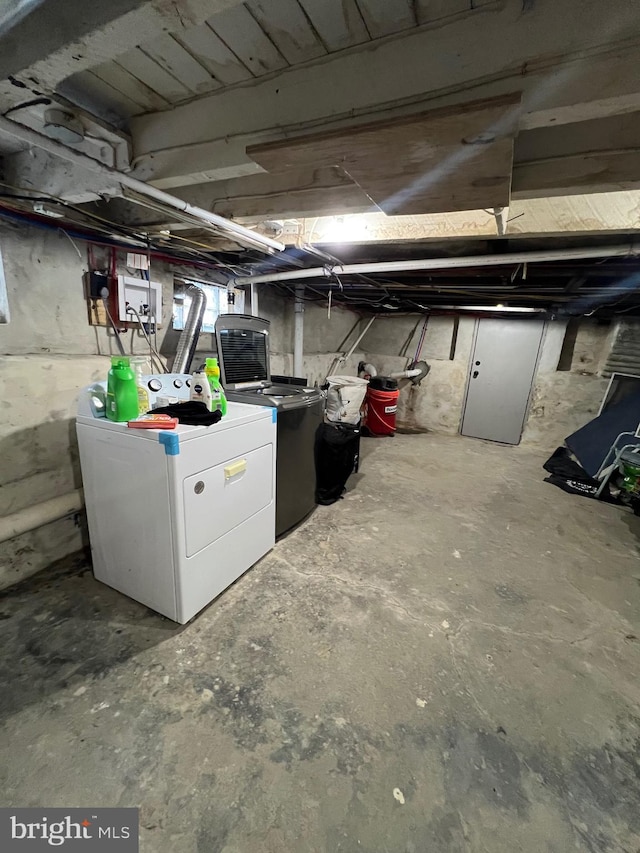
(36, 29)
(557, 161)
(574, 60)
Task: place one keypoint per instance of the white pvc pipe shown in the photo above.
(448, 263)
(40, 514)
(298, 331)
(255, 307)
(39, 140)
(405, 374)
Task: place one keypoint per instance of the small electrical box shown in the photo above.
(100, 293)
(95, 282)
(141, 297)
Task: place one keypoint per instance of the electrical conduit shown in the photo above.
(242, 235)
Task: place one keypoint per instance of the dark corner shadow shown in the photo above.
(61, 627)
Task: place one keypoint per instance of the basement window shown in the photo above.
(4, 298)
(217, 303)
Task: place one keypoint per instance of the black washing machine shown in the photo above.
(243, 354)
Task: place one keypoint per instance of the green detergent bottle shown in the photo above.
(218, 399)
(122, 392)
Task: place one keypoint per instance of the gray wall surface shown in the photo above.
(48, 352)
(561, 402)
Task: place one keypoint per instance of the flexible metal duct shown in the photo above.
(188, 340)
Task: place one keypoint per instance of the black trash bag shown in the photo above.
(337, 452)
(574, 487)
(560, 464)
(571, 477)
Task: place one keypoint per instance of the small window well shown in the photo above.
(217, 303)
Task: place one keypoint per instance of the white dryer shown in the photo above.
(176, 516)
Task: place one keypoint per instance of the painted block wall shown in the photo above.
(48, 352)
(562, 401)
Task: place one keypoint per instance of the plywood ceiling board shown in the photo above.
(437, 161)
(453, 179)
(300, 192)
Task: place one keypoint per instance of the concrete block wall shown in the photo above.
(436, 404)
(325, 336)
(48, 352)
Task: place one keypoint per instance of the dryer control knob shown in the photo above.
(155, 385)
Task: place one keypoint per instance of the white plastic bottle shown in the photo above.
(138, 365)
(200, 389)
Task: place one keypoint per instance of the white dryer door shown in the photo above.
(222, 497)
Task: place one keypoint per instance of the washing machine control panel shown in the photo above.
(166, 388)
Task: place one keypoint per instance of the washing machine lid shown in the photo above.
(277, 396)
(243, 351)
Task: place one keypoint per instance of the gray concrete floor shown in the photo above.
(446, 660)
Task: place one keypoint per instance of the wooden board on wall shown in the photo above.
(457, 158)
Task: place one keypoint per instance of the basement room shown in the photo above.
(320, 426)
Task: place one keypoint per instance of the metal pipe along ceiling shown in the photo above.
(445, 263)
(225, 226)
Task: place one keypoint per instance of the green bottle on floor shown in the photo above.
(122, 392)
(218, 399)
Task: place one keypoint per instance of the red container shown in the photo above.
(380, 411)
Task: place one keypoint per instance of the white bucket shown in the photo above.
(344, 398)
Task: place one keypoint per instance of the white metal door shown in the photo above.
(504, 360)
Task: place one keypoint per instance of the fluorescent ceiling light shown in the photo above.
(513, 309)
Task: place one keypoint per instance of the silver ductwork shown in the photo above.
(188, 340)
